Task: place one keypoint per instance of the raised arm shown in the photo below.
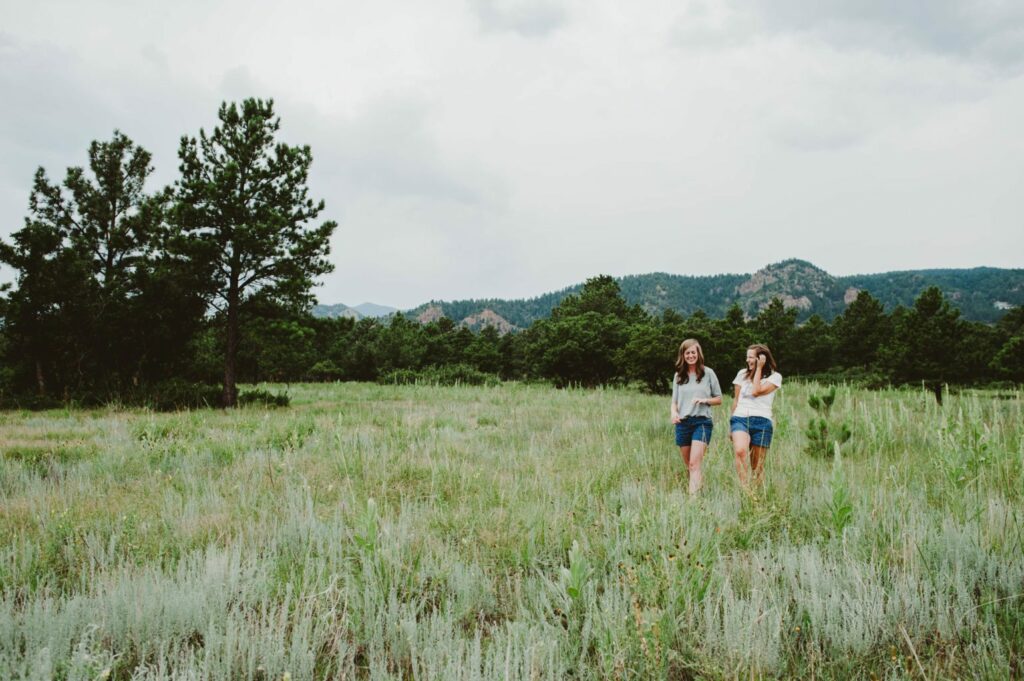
(761, 388)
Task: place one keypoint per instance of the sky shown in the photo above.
(508, 148)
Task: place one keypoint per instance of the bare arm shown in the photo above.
(675, 395)
(760, 388)
(735, 399)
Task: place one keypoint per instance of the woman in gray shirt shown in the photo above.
(695, 390)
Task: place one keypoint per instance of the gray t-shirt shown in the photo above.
(684, 394)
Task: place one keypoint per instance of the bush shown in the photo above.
(824, 435)
(326, 370)
(29, 402)
(264, 397)
(452, 374)
(176, 393)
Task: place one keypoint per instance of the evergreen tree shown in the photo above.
(649, 354)
(582, 342)
(484, 351)
(774, 326)
(813, 347)
(243, 208)
(1008, 361)
(99, 308)
(730, 338)
(861, 332)
(927, 343)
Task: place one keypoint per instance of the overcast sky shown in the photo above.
(507, 148)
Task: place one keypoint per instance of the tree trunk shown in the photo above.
(937, 390)
(39, 379)
(230, 396)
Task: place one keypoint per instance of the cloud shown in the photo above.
(529, 18)
(985, 31)
(386, 149)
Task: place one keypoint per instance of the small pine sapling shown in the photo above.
(824, 435)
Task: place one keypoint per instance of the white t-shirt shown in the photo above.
(755, 406)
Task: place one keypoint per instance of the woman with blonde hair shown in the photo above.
(695, 389)
(751, 425)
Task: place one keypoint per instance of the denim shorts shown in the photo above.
(758, 427)
(693, 428)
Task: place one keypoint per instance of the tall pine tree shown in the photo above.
(244, 209)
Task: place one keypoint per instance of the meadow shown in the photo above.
(512, 532)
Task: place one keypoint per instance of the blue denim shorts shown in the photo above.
(693, 428)
(758, 427)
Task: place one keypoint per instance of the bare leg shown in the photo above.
(684, 452)
(757, 455)
(693, 465)
(740, 446)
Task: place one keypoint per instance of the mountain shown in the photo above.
(982, 293)
(357, 312)
(374, 310)
(336, 311)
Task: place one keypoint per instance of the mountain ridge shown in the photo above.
(981, 293)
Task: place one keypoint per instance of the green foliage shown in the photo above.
(96, 298)
(264, 398)
(862, 330)
(925, 341)
(575, 577)
(244, 211)
(774, 326)
(841, 503)
(176, 394)
(649, 355)
(824, 436)
(581, 344)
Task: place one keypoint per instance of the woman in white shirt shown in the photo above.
(751, 424)
(695, 390)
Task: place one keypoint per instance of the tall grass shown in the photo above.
(425, 532)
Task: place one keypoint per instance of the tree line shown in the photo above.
(595, 338)
(172, 297)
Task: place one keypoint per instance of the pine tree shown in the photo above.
(244, 210)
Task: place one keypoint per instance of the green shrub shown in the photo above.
(264, 397)
(824, 435)
(175, 394)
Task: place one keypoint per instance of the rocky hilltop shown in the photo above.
(982, 294)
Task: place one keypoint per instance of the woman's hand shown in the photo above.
(761, 359)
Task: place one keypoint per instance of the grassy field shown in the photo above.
(509, 533)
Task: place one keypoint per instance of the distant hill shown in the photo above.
(374, 310)
(357, 312)
(982, 293)
(335, 311)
